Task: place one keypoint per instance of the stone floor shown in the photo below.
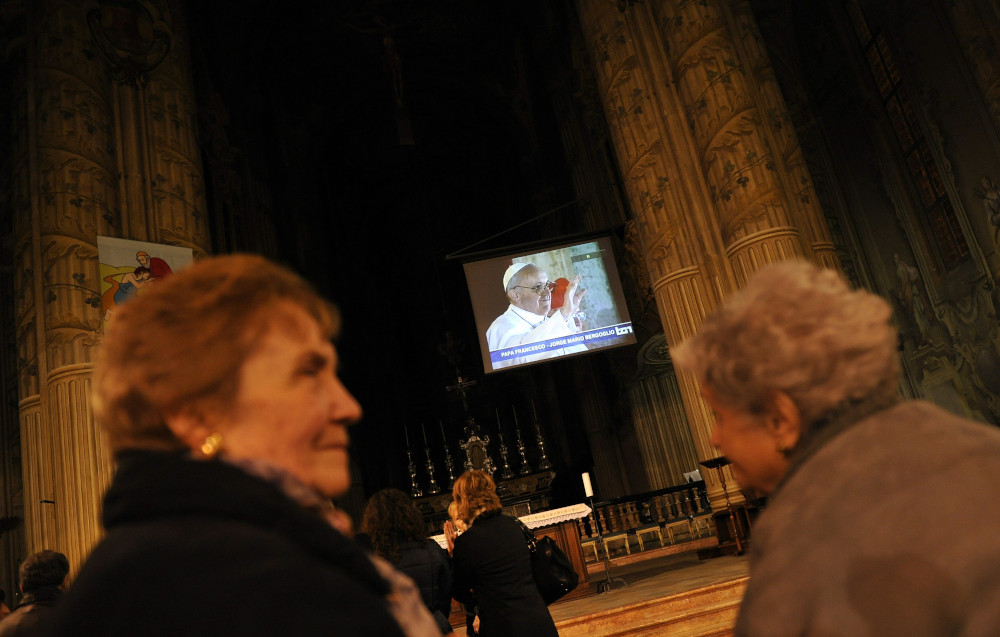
(658, 586)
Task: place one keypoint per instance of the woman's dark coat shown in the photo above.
(492, 567)
(201, 549)
(427, 563)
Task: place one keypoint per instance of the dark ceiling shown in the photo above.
(378, 138)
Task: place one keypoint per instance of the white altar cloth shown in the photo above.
(540, 519)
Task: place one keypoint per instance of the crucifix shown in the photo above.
(462, 387)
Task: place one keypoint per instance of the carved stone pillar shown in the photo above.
(104, 146)
(678, 242)
(736, 128)
(713, 171)
(778, 133)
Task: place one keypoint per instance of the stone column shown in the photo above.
(778, 134)
(678, 242)
(104, 145)
(713, 171)
(739, 130)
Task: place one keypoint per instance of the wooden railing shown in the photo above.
(680, 511)
(665, 508)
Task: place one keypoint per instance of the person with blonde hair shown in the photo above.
(218, 391)
(461, 526)
(867, 529)
(491, 563)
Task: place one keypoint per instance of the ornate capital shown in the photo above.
(132, 36)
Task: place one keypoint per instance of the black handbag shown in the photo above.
(552, 570)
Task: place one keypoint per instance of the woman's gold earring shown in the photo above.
(211, 445)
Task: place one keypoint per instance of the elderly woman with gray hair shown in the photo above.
(883, 514)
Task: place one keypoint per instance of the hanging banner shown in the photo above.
(127, 267)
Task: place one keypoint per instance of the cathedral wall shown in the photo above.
(907, 174)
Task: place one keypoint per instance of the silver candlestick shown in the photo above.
(415, 491)
(525, 467)
(432, 486)
(543, 460)
(447, 457)
(507, 472)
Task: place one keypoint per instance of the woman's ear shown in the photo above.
(188, 426)
(785, 422)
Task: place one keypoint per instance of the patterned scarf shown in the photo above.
(405, 603)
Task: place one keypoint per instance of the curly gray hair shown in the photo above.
(798, 329)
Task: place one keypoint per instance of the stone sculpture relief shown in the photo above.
(132, 36)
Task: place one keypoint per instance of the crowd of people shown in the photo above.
(219, 393)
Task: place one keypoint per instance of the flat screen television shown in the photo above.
(537, 330)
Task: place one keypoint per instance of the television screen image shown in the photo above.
(553, 302)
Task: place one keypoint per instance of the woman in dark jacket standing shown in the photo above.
(492, 564)
(393, 527)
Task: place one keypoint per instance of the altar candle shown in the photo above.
(587, 489)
